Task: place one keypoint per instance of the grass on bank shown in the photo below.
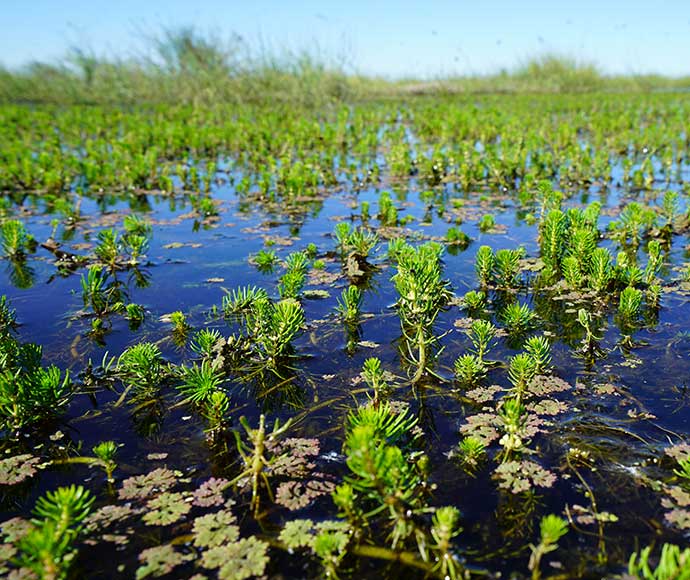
(187, 66)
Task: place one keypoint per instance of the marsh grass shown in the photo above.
(191, 66)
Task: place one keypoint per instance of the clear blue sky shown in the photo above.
(387, 37)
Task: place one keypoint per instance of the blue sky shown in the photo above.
(395, 39)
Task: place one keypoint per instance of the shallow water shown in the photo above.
(625, 427)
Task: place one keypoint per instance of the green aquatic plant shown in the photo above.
(199, 382)
(513, 415)
(108, 248)
(522, 369)
(456, 237)
(422, 294)
(373, 375)
(470, 369)
(140, 367)
(253, 449)
(29, 392)
(630, 303)
(291, 283)
(474, 301)
(16, 242)
(47, 549)
(506, 267)
(551, 529)
(539, 348)
(243, 299)
(95, 291)
(517, 318)
(349, 304)
(600, 271)
(471, 452)
(204, 342)
(673, 564)
(135, 314)
(482, 333)
(484, 265)
(265, 260)
(487, 223)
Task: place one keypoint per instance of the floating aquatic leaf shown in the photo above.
(483, 426)
(166, 509)
(295, 495)
(679, 518)
(16, 469)
(679, 452)
(542, 385)
(15, 529)
(210, 493)
(160, 561)
(519, 476)
(215, 529)
(143, 486)
(239, 560)
(107, 515)
(297, 534)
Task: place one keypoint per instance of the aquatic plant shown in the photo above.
(141, 367)
(484, 265)
(29, 393)
(471, 451)
(47, 548)
(487, 223)
(630, 303)
(349, 304)
(265, 260)
(423, 293)
(539, 348)
(470, 369)
(506, 267)
(16, 242)
(291, 283)
(200, 382)
(204, 342)
(551, 529)
(517, 317)
(474, 301)
(673, 563)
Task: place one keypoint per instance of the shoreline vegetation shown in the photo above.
(188, 66)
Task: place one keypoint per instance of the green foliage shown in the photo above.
(539, 348)
(517, 318)
(552, 528)
(14, 239)
(141, 367)
(484, 265)
(470, 369)
(487, 223)
(200, 382)
(349, 304)
(673, 564)
(48, 547)
(630, 303)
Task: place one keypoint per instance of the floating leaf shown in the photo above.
(16, 469)
(297, 534)
(519, 476)
(166, 509)
(143, 486)
(242, 559)
(210, 493)
(159, 561)
(215, 529)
